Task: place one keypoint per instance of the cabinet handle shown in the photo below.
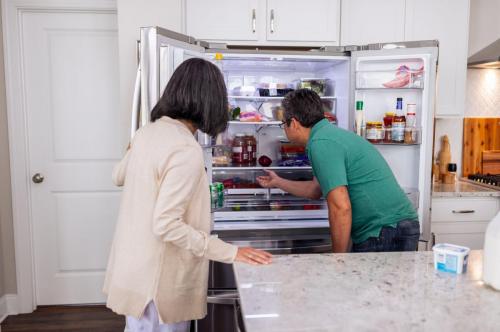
(272, 20)
(463, 211)
(254, 22)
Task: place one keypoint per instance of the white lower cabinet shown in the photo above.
(462, 220)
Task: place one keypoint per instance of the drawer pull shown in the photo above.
(463, 211)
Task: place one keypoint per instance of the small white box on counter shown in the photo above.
(450, 258)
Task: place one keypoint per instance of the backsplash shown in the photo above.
(482, 98)
(453, 128)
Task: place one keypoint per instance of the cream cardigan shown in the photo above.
(162, 245)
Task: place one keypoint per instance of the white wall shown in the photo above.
(132, 15)
(484, 25)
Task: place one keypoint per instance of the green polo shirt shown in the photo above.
(342, 158)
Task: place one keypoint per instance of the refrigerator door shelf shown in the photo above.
(389, 79)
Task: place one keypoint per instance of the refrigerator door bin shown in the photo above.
(393, 79)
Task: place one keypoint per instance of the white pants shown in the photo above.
(150, 322)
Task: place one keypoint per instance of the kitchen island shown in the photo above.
(365, 292)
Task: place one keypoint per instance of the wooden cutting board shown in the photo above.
(480, 134)
(491, 162)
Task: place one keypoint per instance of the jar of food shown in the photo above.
(388, 127)
(251, 146)
(240, 154)
(398, 128)
(374, 132)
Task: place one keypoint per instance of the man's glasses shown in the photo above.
(283, 124)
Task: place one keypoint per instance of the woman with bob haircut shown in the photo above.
(157, 272)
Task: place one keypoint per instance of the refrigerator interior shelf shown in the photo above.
(259, 98)
(384, 88)
(397, 144)
(256, 167)
(261, 123)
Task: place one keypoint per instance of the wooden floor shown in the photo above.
(66, 318)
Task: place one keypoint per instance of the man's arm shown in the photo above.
(307, 189)
(340, 218)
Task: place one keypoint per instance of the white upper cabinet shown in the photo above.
(311, 20)
(223, 20)
(369, 21)
(446, 21)
(265, 22)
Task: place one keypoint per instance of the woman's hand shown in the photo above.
(271, 180)
(253, 256)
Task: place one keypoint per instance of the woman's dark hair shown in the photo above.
(196, 92)
(305, 106)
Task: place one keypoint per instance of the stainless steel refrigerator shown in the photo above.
(376, 74)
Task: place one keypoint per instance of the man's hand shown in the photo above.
(253, 256)
(271, 180)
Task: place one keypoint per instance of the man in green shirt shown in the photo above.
(365, 202)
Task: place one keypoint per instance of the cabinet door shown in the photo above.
(303, 21)
(368, 21)
(223, 20)
(469, 234)
(448, 22)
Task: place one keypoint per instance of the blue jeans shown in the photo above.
(403, 237)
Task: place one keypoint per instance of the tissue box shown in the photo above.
(450, 258)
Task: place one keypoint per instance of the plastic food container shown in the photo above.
(450, 258)
(322, 86)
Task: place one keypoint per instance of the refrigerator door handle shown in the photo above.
(224, 297)
(136, 104)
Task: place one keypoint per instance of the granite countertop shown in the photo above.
(462, 189)
(365, 292)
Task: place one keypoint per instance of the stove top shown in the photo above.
(490, 180)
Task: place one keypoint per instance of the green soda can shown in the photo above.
(213, 195)
(220, 194)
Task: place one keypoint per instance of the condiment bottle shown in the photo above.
(240, 153)
(398, 123)
(389, 116)
(360, 118)
(374, 132)
(411, 124)
(251, 147)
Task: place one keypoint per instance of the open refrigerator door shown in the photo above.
(392, 91)
(161, 51)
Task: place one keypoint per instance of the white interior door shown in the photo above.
(76, 134)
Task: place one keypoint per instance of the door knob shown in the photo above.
(38, 178)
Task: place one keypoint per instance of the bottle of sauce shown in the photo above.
(251, 146)
(240, 153)
(398, 123)
(360, 118)
(389, 116)
(411, 124)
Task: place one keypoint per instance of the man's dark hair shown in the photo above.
(305, 106)
(196, 92)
